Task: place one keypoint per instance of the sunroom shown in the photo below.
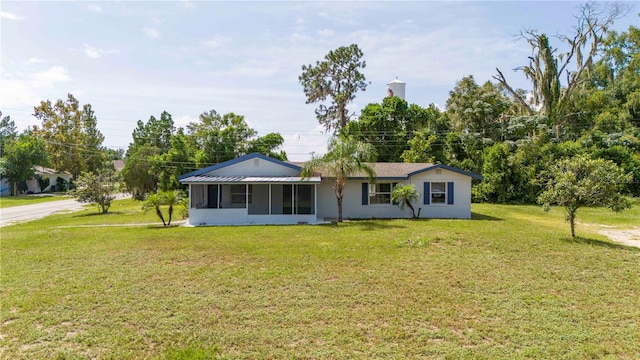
(217, 200)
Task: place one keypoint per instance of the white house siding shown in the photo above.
(352, 207)
(461, 208)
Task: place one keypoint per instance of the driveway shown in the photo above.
(22, 213)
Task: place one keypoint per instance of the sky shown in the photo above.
(134, 59)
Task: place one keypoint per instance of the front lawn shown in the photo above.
(9, 201)
(508, 284)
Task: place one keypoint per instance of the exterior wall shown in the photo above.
(254, 167)
(241, 217)
(461, 208)
(352, 207)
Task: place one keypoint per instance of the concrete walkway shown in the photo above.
(15, 214)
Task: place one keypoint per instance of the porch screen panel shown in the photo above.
(233, 196)
(304, 198)
(281, 199)
(259, 199)
(212, 196)
(198, 196)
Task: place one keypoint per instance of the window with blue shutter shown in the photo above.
(450, 193)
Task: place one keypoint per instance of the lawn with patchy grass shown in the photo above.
(508, 284)
(9, 201)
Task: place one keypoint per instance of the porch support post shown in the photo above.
(315, 200)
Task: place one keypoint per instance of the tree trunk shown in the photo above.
(572, 221)
(159, 213)
(339, 199)
(413, 211)
(170, 214)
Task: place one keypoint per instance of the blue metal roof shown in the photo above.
(205, 179)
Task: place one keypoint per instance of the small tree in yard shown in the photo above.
(582, 181)
(164, 198)
(98, 188)
(404, 196)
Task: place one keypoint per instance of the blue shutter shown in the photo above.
(450, 193)
(365, 193)
(393, 185)
(427, 193)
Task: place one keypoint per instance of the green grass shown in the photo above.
(9, 201)
(509, 284)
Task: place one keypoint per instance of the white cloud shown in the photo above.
(50, 76)
(217, 41)
(95, 53)
(94, 8)
(188, 4)
(36, 61)
(10, 16)
(151, 33)
(184, 120)
(326, 32)
(16, 92)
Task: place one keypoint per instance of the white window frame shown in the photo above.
(444, 193)
(373, 192)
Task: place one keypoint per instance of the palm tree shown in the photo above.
(346, 157)
(405, 195)
(154, 201)
(172, 198)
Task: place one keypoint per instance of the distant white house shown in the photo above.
(52, 175)
(255, 189)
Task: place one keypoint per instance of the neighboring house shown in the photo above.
(52, 174)
(5, 189)
(255, 189)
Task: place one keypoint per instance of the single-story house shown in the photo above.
(256, 189)
(52, 174)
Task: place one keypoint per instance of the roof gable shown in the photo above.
(450, 168)
(239, 160)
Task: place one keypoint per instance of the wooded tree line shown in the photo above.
(584, 100)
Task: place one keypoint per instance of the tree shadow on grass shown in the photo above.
(601, 243)
(370, 225)
(478, 216)
(98, 214)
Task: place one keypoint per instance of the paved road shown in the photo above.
(15, 214)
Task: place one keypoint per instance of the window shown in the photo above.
(380, 193)
(438, 193)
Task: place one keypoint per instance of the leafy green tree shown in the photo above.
(155, 132)
(220, 137)
(337, 78)
(137, 174)
(387, 126)
(173, 163)
(581, 181)
(98, 187)
(74, 142)
(477, 109)
(425, 147)
(268, 145)
(345, 157)
(21, 156)
(404, 196)
(8, 131)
